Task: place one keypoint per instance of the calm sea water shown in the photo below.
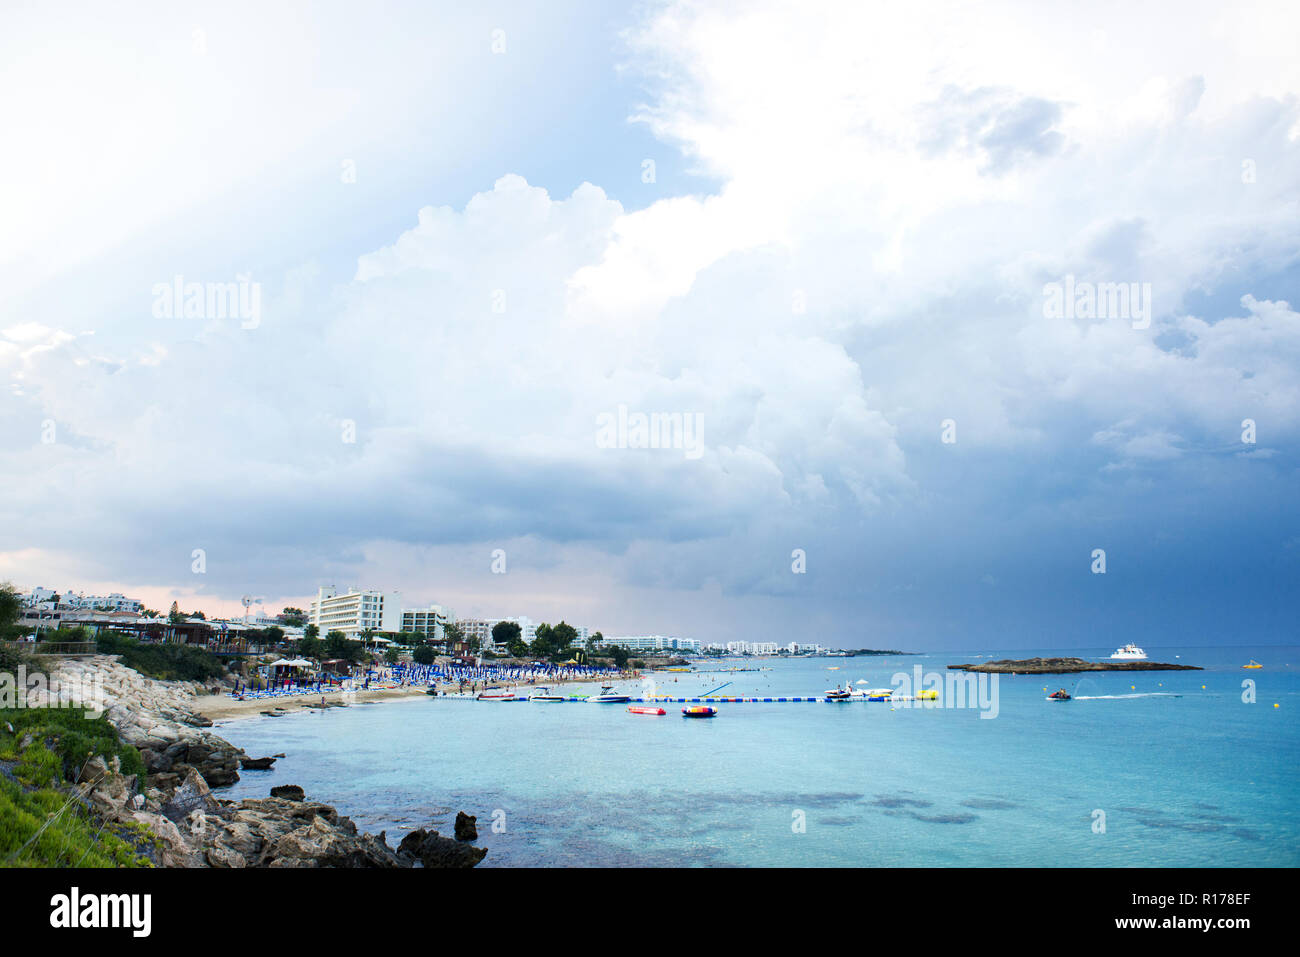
(1186, 773)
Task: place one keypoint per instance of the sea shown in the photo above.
(1166, 769)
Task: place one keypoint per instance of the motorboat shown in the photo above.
(609, 696)
(545, 694)
(1129, 652)
(496, 696)
(1253, 665)
(699, 711)
(1059, 695)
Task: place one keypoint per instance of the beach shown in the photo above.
(219, 707)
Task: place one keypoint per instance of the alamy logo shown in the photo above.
(654, 430)
(133, 911)
(19, 689)
(1103, 300)
(179, 299)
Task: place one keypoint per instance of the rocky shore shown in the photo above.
(1065, 666)
(181, 822)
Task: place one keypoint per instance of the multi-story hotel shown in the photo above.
(354, 610)
(655, 643)
(431, 621)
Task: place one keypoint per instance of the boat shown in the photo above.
(645, 709)
(545, 694)
(879, 694)
(1129, 652)
(496, 696)
(1059, 695)
(608, 696)
(699, 711)
(1253, 665)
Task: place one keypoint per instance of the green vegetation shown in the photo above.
(294, 617)
(11, 609)
(335, 645)
(42, 823)
(165, 661)
(553, 642)
(424, 654)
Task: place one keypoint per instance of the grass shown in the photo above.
(42, 821)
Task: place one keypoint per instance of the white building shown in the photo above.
(114, 602)
(431, 621)
(655, 643)
(355, 610)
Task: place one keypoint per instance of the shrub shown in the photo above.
(166, 662)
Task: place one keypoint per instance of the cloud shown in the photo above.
(871, 267)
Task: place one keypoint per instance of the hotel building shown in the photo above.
(355, 610)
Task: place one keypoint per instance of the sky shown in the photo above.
(828, 236)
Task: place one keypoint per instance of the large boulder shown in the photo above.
(466, 827)
(288, 792)
(433, 850)
(193, 795)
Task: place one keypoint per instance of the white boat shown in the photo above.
(607, 696)
(1129, 652)
(496, 696)
(545, 694)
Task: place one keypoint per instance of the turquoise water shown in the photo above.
(1186, 775)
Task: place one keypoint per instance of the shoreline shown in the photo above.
(221, 707)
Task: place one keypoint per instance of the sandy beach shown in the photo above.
(219, 706)
(222, 707)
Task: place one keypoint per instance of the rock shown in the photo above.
(96, 769)
(465, 827)
(433, 850)
(288, 792)
(256, 764)
(191, 796)
(321, 845)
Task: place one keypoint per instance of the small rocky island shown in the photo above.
(1065, 666)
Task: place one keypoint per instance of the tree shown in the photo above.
(174, 616)
(562, 636)
(11, 609)
(339, 645)
(273, 635)
(542, 645)
(391, 656)
(506, 633)
(294, 617)
(311, 647)
(619, 654)
(424, 654)
(311, 631)
(453, 634)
